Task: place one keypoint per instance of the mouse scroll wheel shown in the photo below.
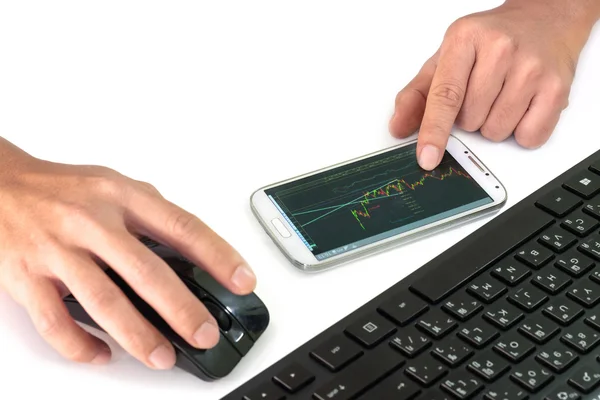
(220, 315)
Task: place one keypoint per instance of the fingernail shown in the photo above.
(244, 278)
(162, 357)
(103, 356)
(429, 157)
(207, 335)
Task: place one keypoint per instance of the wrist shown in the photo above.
(574, 18)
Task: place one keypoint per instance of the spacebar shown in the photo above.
(361, 375)
(468, 258)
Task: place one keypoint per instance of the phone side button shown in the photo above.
(281, 228)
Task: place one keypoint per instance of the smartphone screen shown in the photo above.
(372, 199)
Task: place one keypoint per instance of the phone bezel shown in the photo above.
(301, 257)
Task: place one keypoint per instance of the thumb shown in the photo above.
(410, 102)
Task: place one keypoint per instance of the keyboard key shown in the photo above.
(266, 391)
(452, 352)
(557, 239)
(563, 392)
(595, 167)
(360, 375)
(478, 334)
(514, 347)
(506, 390)
(591, 247)
(535, 255)
(559, 202)
(551, 281)
(531, 376)
(404, 308)
(580, 223)
(337, 352)
(595, 276)
(462, 306)
(436, 324)
(510, 271)
(581, 337)
(486, 289)
(593, 209)
(396, 386)
(586, 378)
(294, 378)
(425, 370)
(494, 244)
(585, 292)
(488, 366)
(503, 315)
(574, 263)
(437, 394)
(410, 342)
(461, 385)
(558, 358)
(538, 329)
(593, 320)
(528, 298)
(563, 311)
(371, 330)
(585, 184)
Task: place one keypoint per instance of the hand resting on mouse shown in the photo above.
(58, 220)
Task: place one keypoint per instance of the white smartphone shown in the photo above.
(372, 203)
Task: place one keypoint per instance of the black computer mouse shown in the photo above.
(242, 319)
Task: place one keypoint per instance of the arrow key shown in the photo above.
(294, 377)
(267, 391)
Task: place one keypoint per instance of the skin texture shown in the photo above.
(57, 220)
(501, 72)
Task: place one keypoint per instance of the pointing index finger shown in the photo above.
(444, 100)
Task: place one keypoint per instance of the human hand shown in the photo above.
(57, 219)
(503, 71)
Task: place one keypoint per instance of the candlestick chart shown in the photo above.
(361, 200)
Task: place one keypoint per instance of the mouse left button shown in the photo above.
(219, 314)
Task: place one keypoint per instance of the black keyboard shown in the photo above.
(511, 312)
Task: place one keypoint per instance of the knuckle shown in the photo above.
(182, 225)
(140, 343)
(143, 268)
(493, 132)
(504, 44)
(80, 352)
(106, 185)
(190, 314)
(49, 323)
(149, 188)
(533, 68)
(462, 28)
(448, 94)
(103, 298)
(467, 121)
(558, 91)
(530, 139)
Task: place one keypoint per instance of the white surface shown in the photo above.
(211, 100)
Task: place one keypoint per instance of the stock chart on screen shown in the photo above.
(342, 208)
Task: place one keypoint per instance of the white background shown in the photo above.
(209, 101)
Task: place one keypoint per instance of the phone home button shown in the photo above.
(281, 228)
